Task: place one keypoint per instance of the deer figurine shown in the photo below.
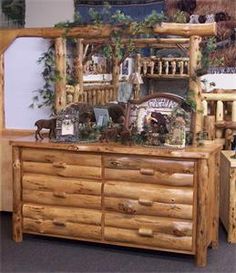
(45, 124)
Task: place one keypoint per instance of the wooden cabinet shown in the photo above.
(228, 194)
(132, 196)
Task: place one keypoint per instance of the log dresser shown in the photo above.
(130, 196)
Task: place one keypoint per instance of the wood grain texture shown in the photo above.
(155, 193)
(62, 170)
(144, 175)
(163, 225)
(17, 201)
(202, 201)
(70, 158)
(62, 214)
(157, 240)
(62, 199)
(60, 84)
(72, 230)
(133, 207)
(59, 184)
(157, 164)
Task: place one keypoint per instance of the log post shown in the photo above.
(79, 70)
(2, 112)
(194, 83)
(209, 127)
(17, 203)
(115, 74)
(234, 111)
(202, 195)
(60, 86)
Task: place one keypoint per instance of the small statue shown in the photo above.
(45, 124)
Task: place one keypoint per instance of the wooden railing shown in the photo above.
(164, 67)
(219, 107)
(92, 94)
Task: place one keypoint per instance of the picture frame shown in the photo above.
(102, 116)
(165, 118)
(67, 126)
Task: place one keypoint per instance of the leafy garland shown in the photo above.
(137, 28)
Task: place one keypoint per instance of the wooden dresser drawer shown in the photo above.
(149, 192)
(68, 157)
(61, 163)
(61, 199)
(71, 222)
(151, 231)
(135, 207)
(61, 184)
(153, 170)
(144, 237)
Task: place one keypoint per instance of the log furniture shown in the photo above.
(228, 194)
(142, 197)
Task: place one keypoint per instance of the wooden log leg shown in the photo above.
(216, 202)
(201, 236)
(17, 204)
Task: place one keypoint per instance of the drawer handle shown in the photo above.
(59, 165)
(59, 194)
(73, 148)
(146, 232)
(145, 202)
(57, 222)
(147, 171)
(115, 163)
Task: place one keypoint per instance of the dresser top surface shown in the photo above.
(188, 152)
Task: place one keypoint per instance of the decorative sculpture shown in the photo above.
(45, 124)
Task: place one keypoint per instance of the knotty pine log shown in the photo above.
(163, 225)
(133, 207)
(158, 240)
(175, 179)
(79, 69)
(62, 170)
(59, 184)
(60, 84)
(209, 127)
(56, 227)
(72, 215)
(115, 75)
(186, 30)
(62, 199)
(54, 156)
(202, 200)
(194, 83)
(137, 162)
(153, 193)
(17, 192)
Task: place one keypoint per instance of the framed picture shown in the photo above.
(163, 118)
(67, 126)
(102, 116)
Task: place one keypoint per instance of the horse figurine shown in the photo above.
(45, 124)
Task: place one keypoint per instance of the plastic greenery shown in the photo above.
(45, 96)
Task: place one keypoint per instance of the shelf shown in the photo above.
(163, 76)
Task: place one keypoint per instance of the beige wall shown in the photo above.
(46, 13)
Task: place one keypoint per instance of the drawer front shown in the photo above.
(148, 225)
(143, 237)
(144, 207)
(55, 228)
(153, 170)
(61, 199)
(55, 156)
(62, 169)
(61, 185)
(62, 215)
(70, 222)
(149, 192)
